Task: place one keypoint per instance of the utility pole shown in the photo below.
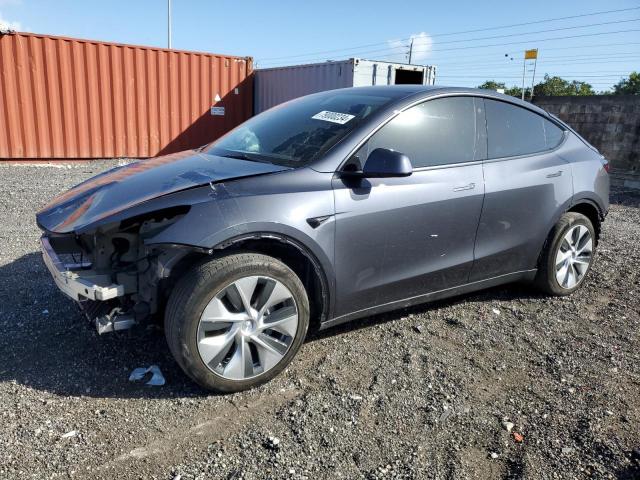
(533, 78)
(410, 50)
(524, 67)
(169, 23)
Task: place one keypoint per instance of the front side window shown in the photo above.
(298, 131)
(514, 130)
(442, 131)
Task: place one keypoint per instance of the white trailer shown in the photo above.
(273, 86)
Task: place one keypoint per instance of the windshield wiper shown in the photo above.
(243, 156)
(262, 158)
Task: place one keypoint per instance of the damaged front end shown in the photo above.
(95, 233)
(115, 278)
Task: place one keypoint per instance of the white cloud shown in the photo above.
(9, 25)
(422, 44)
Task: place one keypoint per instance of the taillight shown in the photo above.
(606, 165)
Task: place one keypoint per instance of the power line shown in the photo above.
(612, 75)
(604, 12)
(596, 55)
(527, 41)
(604, 74)
(536, 22)
(486, 45)
(519, 52)
(497, 80)
(541, 54)
(600, 45)
(546, 61)
(540, 63)
(536, 32)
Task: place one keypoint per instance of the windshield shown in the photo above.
(299, 131)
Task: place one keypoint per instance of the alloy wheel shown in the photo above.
(247, 328)
(574, 256)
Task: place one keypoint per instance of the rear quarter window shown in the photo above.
(514, 131)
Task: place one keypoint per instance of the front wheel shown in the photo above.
(568, 255)
(235, 322)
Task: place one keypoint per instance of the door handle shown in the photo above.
(471, 186)
(557, 174)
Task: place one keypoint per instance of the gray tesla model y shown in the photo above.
(333, 206)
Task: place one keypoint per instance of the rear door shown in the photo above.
(527, 185)
(398, 238)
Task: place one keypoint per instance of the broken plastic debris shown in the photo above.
(157, 379)
(72, 433)
(518, 437)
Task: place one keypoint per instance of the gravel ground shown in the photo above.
(505, 383)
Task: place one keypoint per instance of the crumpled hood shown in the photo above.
(123, 187)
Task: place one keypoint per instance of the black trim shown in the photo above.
(317, 266)
(431, 296)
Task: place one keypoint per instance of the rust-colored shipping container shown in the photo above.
(69, 98)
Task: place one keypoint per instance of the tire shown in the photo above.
(552, 277)
(217, 289)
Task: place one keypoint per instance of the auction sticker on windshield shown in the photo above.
(333, 117)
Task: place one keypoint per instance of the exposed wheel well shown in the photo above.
(298, 260)
(591, 212)
(290, 253)
(587, 209)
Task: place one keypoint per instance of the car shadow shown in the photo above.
(505, 293)
(47, 344)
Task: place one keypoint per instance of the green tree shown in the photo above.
(492, 85)
(517, 92)
(558, 86)
(628, 86)
(513, 91)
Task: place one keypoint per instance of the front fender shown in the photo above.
(226, 216)
(320, 246)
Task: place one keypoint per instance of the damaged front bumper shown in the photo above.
(75, 280)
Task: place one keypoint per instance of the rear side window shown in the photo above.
(437, 132)
(513, 130)
(552, 133)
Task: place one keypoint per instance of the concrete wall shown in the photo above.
(611, 123)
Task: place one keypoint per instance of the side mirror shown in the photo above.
(383, 162)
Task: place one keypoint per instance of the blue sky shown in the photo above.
(289, 32)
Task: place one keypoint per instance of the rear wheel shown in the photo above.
(568, 255)
(235, 322)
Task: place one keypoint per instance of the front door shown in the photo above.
(398, 238)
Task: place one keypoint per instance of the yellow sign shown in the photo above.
(531, 54)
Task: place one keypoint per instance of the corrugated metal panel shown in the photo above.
(373, 72)
(277, 85)
(68, 98)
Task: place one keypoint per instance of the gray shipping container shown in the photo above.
(273, 86)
